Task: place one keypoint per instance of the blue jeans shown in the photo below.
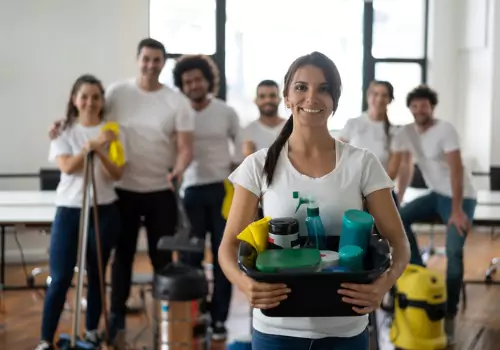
(262, 341)
(64, 240)
(203, 205)
(428, 207)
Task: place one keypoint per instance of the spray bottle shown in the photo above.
(315, 229)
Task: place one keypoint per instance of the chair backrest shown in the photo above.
(418, 179)
(49, 179)
(495, 178)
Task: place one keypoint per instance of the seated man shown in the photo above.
(434, 145)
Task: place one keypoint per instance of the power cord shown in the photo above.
(27, 275)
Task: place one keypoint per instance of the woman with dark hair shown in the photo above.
(373, 130)
(339, 176)
(81, 134)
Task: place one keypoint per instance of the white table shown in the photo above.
(27, 198)
(483, 197)
(20, 214)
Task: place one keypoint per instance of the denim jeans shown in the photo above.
(64, 240)
(262, 341)
(203, 206)
(436, 205)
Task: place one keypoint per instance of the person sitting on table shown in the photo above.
(81, 134)
(434, 144)
(306, 158)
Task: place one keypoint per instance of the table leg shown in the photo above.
(2, 271)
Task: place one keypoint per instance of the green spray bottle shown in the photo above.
(315, 230)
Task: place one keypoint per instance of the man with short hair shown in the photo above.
(434, 144)
(262, 132)
(216, 127)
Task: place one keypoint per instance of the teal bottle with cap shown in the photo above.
(315, 230)
(351, 257)
(357, 226)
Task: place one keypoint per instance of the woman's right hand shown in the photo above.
(263, 295)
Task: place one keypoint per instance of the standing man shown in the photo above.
(216, 126)
(434, 144)
(158, 124)
(262, 132)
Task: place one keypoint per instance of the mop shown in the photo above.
(73, 341)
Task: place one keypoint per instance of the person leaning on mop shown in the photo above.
(305, 157)
(81, 134)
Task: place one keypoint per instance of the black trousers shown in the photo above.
(203, 206)
(157, 211)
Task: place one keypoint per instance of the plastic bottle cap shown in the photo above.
(358, 219)
(350, 251)
(283, 226)
(329, 258)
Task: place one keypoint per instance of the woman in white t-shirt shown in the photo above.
(373, 131)
(82, 133)
(307, 159)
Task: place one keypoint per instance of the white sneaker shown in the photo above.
(43, 345)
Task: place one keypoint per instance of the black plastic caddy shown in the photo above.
(315, 294)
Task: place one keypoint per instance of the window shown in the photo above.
(166, 76)
(264, 50)
(404, 77)
(183, 26)
(398, 28)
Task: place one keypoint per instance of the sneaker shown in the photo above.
(449, 328)
(43, 345)
(92, 337)
(219, 331)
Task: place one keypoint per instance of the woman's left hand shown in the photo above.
(366, 298)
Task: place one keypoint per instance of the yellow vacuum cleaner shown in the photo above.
(419, 310)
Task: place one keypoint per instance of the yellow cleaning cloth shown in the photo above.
(228, 199)
(256, 234)
(116, 154)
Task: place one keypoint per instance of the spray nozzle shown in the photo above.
(306, 200)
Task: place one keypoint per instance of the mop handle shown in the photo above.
(102, 283)
(82, 248)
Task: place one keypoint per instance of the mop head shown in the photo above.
(64, 343)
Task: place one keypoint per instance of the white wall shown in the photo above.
(464, 42)
(45, 46)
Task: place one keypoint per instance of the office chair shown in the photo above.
(494, 186)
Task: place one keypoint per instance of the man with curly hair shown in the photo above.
(434, 144)
(217, 126)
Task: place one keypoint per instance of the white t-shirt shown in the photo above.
(150, 120)
(217, 126)
(262, 135)
(357, 173)
(366, 133)
(70, 189)
(429, 150)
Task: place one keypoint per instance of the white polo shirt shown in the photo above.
(150, 120)
(429, 150)
(358, 173)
